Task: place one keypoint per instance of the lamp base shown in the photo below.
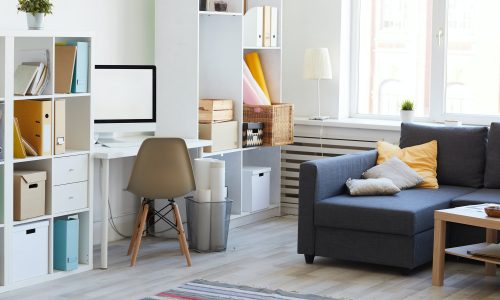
(319, 118)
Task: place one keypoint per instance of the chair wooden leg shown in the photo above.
(137, 243)
(133, 238)
(181, 235)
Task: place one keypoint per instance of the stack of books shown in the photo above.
(31, 78)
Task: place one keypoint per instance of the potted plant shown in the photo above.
(407, 112)
(35, 12)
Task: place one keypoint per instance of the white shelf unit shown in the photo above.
(199, 55)
(79, 127)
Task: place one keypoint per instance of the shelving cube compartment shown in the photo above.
(66, 235)
(30, 245)
(256, 188)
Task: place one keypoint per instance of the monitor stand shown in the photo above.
(111, 141)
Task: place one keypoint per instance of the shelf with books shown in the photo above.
(40, 97)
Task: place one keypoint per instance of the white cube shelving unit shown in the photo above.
(199, 55)
(79, 128)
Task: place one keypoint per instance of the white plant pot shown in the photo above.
(407, 116)
(35, 21)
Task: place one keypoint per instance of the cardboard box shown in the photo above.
(224, 135)
(29, 194)
(215, 104)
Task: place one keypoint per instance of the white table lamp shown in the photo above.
(317, 66)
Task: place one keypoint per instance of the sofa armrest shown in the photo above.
(321, 179)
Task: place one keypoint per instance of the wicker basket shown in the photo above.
(277, 119)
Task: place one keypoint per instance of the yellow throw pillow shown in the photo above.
(421, 158)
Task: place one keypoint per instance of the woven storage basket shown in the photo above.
(277, 119)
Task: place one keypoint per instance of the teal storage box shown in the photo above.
(66, 244)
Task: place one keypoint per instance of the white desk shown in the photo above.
(105, 154)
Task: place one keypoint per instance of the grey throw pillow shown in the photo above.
(397, 171)
(371, 187)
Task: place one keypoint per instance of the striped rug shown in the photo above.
(206, 290)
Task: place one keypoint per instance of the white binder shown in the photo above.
(253, 22)
(274, 27)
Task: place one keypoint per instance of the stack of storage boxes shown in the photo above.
(216, 124)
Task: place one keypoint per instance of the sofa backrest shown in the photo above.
(461, 151)
(492, 172)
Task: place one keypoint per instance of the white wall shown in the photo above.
(310, 24)
(124, 34)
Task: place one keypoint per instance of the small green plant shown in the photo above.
(35, 6)
(407, 105)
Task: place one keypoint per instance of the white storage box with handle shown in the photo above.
(256, 188)
(30, 243)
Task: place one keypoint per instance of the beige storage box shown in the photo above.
(224, 136)
(212, 111)
(29, 194)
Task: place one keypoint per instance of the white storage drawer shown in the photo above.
(69, 197)
(256, 188)
(30, 249)
(70, 169)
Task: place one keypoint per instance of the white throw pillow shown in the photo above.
(394, 169)
(371, 187)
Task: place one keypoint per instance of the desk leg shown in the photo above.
(491, 237)
(104, 213)
(438, 256)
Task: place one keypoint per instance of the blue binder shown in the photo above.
(66, 244)
(81, 71)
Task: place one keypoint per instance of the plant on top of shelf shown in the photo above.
(407, 112)
(35, 12)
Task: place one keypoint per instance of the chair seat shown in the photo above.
(477, 197)
(407, 213)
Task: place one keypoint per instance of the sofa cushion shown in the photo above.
(406, 213)
(477, 197)
(492, 172)
(461, 151)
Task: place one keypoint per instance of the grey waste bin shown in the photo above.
(208, 224)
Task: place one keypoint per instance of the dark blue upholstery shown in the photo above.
(406, 213)
(492, 172)
(461, 151)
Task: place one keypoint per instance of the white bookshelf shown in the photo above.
(79, 127)
(199, 55)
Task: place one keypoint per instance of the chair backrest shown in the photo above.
(162, 170)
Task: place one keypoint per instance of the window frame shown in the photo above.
(437, 93)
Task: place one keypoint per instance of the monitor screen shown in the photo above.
(124, 94)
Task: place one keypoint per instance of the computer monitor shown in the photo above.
(124, 98)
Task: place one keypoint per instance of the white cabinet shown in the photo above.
(69, 197)
(70, 169)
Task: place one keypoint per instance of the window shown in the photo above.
(443, 55)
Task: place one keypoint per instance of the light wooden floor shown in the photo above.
(260, 255)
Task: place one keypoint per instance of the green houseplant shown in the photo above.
(35, 12)
(407, 112)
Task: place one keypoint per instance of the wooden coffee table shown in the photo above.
(473, 215)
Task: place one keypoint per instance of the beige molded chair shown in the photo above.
(162, 170)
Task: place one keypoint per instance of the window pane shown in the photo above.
(473, 57)
(394, 55)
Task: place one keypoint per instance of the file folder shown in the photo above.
(35, 118)
(267, 26)
(65, 65)
(59, 126)
(81, 71)
(274, 27)
(253, 27)
(66, 244)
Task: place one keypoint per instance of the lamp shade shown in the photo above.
(317, 64)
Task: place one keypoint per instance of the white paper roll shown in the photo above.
(217, 180)
(203, 226)
(202, 174)
(204, 196)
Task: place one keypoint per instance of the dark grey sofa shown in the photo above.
(397, 230)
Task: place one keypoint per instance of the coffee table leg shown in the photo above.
(491, 237)
(438, 256)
